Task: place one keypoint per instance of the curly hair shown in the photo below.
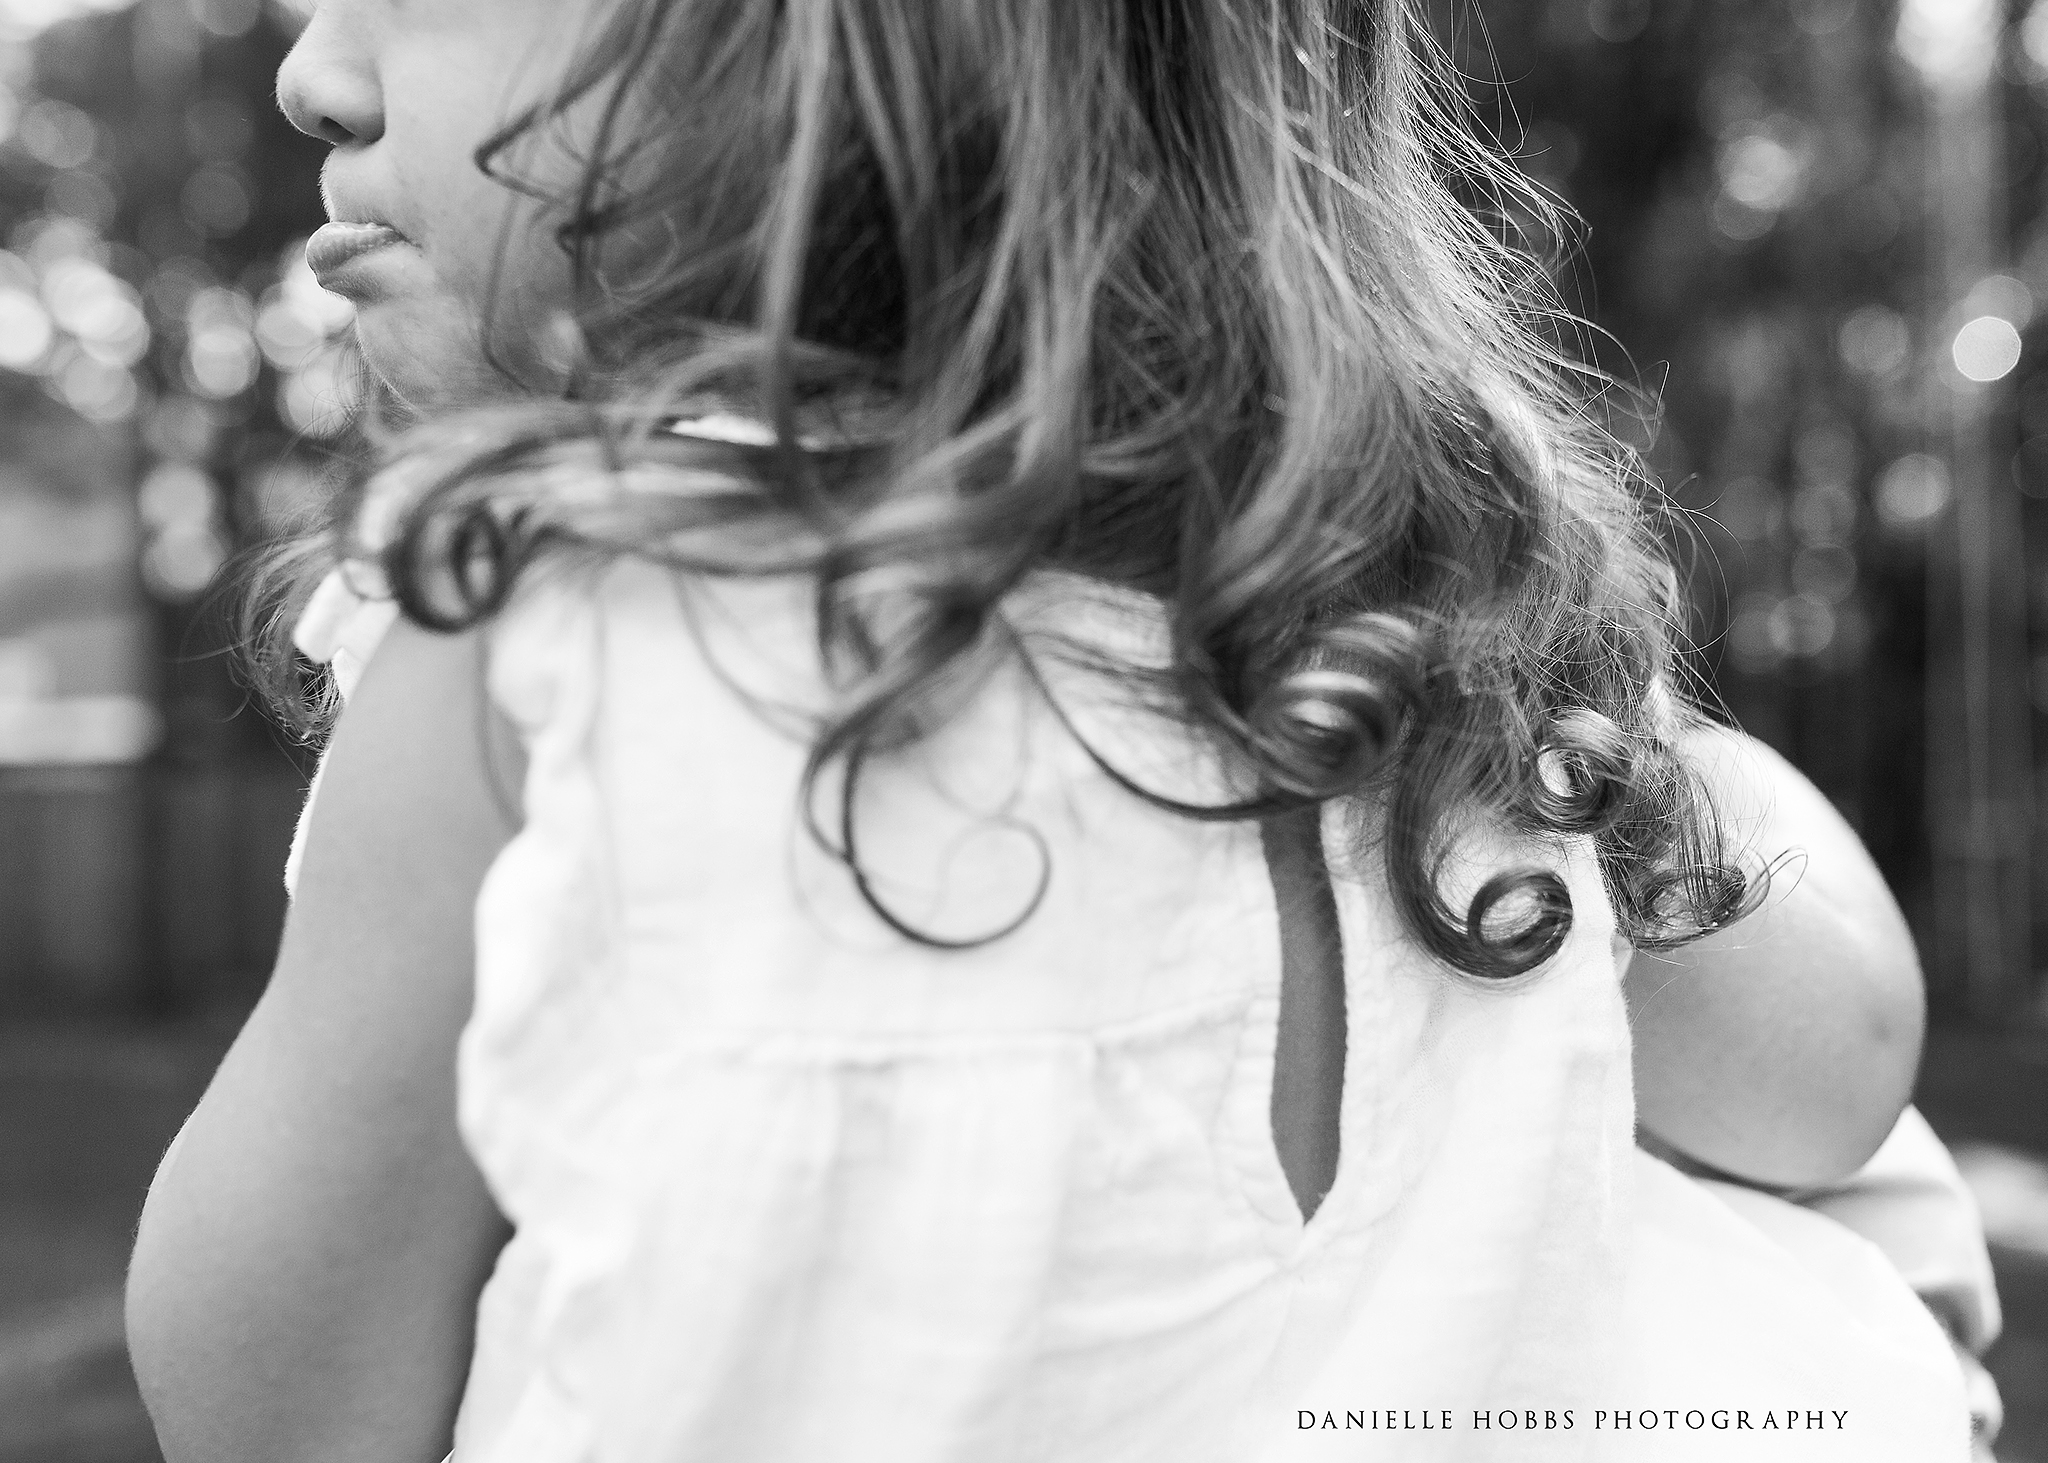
(1206, 299)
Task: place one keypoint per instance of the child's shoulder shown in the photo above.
(639, 641)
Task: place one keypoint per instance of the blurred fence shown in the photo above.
(127, 890)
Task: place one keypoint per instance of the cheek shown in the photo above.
(483, 242)
(488, 264)
(476, 232)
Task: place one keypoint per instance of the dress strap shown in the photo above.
(343, 623)
(340, 628)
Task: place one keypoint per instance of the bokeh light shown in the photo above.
(26, 331)
(1987, 348)
(1617, 21)
(97, 390)
(1875, 341)
(179, 505)
(221, 357)
(1826, 572)
(1912, 490)
(1762, 171)
(2003, 295)
(1953, 44)
(1801, 626)
(2033, 36)
(57, 134)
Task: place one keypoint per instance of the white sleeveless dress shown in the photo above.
(787, 1186)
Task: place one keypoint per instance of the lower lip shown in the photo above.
(336, 246)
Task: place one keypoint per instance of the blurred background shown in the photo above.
(1816, 230)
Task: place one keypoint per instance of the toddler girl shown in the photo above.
(1006, 735)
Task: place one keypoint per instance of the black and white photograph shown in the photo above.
(1023, 731)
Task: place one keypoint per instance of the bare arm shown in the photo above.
(307, 1268)
(1783, 1049)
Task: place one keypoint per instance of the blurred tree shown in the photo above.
(147, 147)
(1754, 250)
(163, 347)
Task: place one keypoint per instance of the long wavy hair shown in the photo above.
(1206, 299)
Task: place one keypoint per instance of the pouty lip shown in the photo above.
(344, 240)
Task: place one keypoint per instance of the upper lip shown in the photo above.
(357, 218)
(343, 209)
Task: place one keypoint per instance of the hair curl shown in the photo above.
(1207, 299)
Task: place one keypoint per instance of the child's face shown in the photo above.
(406, 90)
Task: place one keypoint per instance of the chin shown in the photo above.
(428, 356)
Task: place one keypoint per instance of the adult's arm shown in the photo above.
(1781, 1050)
(305, 1276)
